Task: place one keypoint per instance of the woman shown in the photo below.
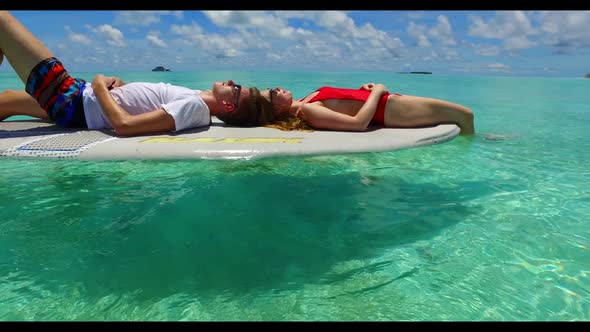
(130, 109)
(353, 110)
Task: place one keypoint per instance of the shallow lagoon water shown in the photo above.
(493, 227)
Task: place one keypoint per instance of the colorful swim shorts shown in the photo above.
(58, 93)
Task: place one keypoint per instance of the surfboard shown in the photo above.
(41, 139)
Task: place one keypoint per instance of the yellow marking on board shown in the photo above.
(223, 140)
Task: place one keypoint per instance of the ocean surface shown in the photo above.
(490, 228)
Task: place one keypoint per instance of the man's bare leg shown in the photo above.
(23, 50)
(19, 103)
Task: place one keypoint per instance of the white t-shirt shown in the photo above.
(185, 105)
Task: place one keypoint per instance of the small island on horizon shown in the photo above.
(416, 72)
(587, 76)
(160, 68)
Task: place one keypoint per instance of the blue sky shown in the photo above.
(506, 43)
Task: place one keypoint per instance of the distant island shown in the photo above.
(416, 72)
(160, 68)
(587, 75)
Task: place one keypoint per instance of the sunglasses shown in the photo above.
(238, 89)
(272, 91)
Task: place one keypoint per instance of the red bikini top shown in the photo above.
(327, 92)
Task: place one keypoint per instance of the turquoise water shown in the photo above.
(472, 229)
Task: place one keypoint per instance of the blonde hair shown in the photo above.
(258, 111)
(269, 119)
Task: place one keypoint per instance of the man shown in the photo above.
(130, 109)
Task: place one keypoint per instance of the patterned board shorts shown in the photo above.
(58, 93)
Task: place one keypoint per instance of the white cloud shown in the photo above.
(335, 39)
(153, 39)
(335, 21)
(500, 67)
(99, 50)
(486, 49)
(338, 35)
(514, 43)
(187, 30)
(513, 27)
(565, 29)
(313, 51)
(77, 37)
(340, 24)
(113, 36)
(450, 53)
(443, 31)
(214, 44)
(274, 56)
(365, 43)
(418, 32)
(243, 20)
(222, 46)
(143, 18)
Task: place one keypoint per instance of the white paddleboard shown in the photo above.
(40, 139)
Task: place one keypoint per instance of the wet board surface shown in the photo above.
(41, 139)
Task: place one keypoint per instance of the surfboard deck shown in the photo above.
(41, 139)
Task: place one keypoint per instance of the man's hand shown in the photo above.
(117, 82)
(99, 82)
(110, 82)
